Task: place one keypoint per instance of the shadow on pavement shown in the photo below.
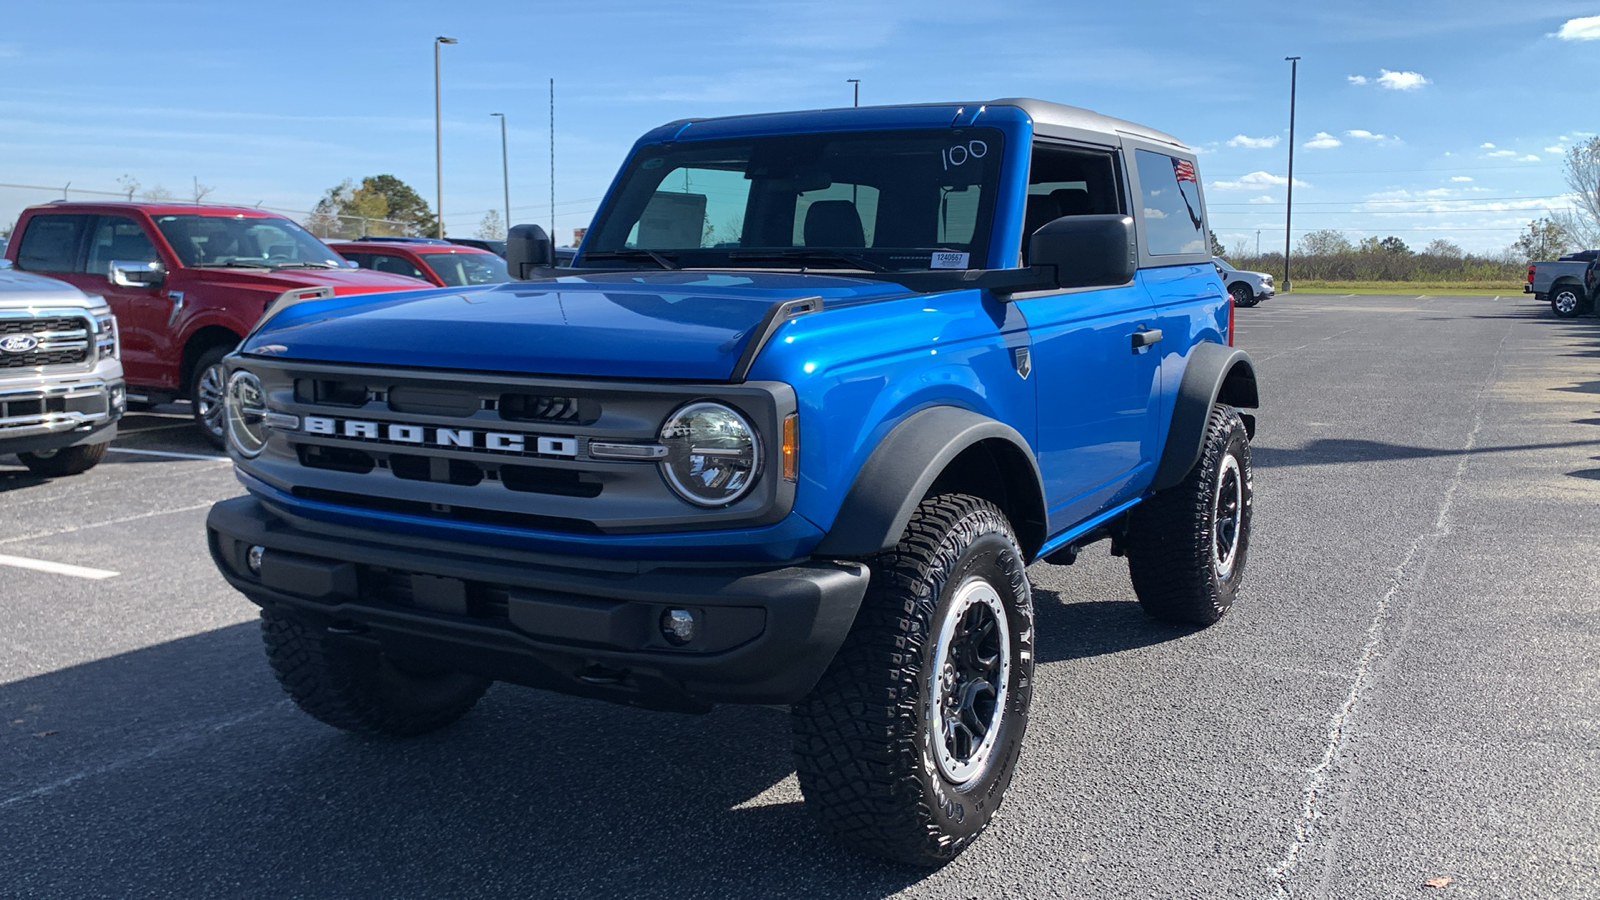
(1333, 451)
(1094, 628)
(180, 770)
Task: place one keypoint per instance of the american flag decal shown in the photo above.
(1184, 170)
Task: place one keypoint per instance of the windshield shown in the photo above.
(884, 201)
(201, 240)
(462, 269)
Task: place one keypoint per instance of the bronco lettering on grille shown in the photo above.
(430, 435)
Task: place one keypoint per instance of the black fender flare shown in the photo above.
(902, 468)
(1214, 373)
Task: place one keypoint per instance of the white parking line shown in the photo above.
(54, 568)
(163, 453)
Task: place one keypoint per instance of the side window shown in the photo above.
(394, 265)
(1069, 181)
(1173, 216)
(51, 243)
(364, 260)
(118, 238)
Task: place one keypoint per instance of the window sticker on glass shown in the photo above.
(949, 260)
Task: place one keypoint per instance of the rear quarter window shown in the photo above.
(1174, 220)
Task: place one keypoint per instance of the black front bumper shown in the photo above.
(580, 626)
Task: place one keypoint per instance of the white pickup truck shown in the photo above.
(61, 387)
(1561, 282)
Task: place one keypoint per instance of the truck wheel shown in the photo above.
(66, 461)
(206, 392)
(905, 747)
(1242, 295)
(359, 688)
(1565, 301)
(1187, 545)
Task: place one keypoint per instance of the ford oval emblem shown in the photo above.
(19, 343)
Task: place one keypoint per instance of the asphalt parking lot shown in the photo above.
(1407, 690)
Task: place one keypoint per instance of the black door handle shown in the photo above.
(1143, 339)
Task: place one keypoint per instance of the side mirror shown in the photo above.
(528, 248)
(1087, 251)
(133, 273)
(5, 263)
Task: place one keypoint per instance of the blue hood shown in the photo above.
(669, 325)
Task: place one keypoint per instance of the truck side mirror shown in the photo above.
(527, 248)
(136, 273)
(1087, 251)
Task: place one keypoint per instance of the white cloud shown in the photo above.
(1584, 29)
(1254, 143)
(1529, 158)
(1154, 213)
(1556, 149)
(1460, 178)
(1322, 141)
(1264, 198)
(1363, 134)
(1255, 181)
(1503, 153)
(1401, 81)
(1485, 146)
(1356, 79)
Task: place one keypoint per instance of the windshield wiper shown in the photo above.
(304, 264)
(633, 253)
(810, 254)
(234, 264)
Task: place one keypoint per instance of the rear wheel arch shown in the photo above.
(945, 448)
(1215, 374)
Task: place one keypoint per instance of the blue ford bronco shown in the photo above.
(817, 389)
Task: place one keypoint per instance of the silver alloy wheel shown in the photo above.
(1227, 515)
(968, 682)
(1566, 301)
(208, 400)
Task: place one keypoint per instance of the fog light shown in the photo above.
(677, 626)
(253, 559)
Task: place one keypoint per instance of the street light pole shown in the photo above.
(1288, 206)
(438, 133)
(505, 168)
(857, 83)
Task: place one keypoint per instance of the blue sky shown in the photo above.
(1456, 132)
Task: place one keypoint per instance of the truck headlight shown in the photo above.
(713, 455)
(247, 411)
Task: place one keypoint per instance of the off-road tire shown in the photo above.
(66, 461)
(1566, 301)
(207, 388)
(866, 747)
(1242, 295)
(358, 688)
(1176, 540)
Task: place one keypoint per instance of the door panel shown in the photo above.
(143, 313)
(1098, 396)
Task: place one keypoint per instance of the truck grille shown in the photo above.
(60, 341)
(490, 449)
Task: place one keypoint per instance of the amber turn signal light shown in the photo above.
(791, 447)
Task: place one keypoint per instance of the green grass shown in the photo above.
(1414, 288)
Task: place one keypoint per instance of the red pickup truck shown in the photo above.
(185, 281)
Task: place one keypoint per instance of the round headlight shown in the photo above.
(247, 408)
(713, 455)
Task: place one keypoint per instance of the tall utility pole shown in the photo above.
(1258, 243)
(438, 133)
(1288, 206)
(857, 83)
(505, 168)
(552, 162)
